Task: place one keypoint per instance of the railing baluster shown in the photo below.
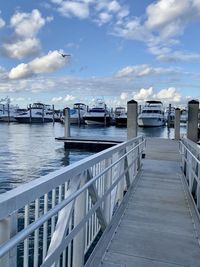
(53, 219)
(26, 241)
(44, 251)
(36, 236)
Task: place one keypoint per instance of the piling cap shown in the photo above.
(132, 102)
(177, 109)
(193, 102)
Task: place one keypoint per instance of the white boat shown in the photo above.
(170, 115)
(152, 114)
(184, 116)
(120, 116)
(77, 112)
(98, 115)
(38, 113)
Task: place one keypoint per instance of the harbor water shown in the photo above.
(29, 151)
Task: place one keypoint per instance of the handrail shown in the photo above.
(20, 196)
(32, 227)
(191, 168)
(57, 197)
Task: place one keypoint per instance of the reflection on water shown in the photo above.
(30, 151)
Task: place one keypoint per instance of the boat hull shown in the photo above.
(121, 121)
(151, 122)
(97, 120)
(33, 120)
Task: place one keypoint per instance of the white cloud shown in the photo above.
(165, 95)
(27, 24)
(48, 63)
(21, 48)
(169, 94)
(73, 8)
(143, 94)
(124, 96)
(144, 70)
(104, 18)
(2, 23)
(24, 43)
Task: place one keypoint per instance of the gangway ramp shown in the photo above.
(159, 225)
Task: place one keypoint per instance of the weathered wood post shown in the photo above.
(53, 110)
(3, 109)
(177, 124)
(30, 113)
(132, 114)
(4, 236)
(192, 125)
(169, 116)
(66, 113)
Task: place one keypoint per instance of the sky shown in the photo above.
(119, 50)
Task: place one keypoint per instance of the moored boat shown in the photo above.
(98, 114)
(152, 114)
(38, 113)
(120, 116)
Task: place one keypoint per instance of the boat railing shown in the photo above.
(57, 219)
(190, 162)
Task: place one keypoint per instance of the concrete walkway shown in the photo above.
(159, 226)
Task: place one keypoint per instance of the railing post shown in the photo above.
(79, 240)
(132, 114)
(4, 236)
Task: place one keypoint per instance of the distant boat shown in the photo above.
(77, 112)
(184, 116)
(38, 113)
(152, 114)
(120, 116)
(7, 111)
(170, 115)
(98, 114)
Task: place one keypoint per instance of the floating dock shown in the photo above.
(96, 143)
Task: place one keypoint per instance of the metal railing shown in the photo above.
(190, 161)
(57, 219)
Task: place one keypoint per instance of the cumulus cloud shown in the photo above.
(169, 94)
(24, 43)
(48, 63)
(21, 48)
(27, 24)
(143, 94)
(166, 95)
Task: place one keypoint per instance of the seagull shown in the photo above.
(65, 55)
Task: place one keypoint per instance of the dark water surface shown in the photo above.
(30, 151)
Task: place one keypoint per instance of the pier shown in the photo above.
(115, 208)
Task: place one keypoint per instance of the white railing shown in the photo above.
(56, 219)
(190, 154)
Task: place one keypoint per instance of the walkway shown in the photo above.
(159, 226)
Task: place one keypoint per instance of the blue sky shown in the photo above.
(120, 49)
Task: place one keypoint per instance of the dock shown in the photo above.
(115, 208)
(159, 225)
(96, 143)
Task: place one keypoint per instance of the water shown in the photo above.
(29, 151)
